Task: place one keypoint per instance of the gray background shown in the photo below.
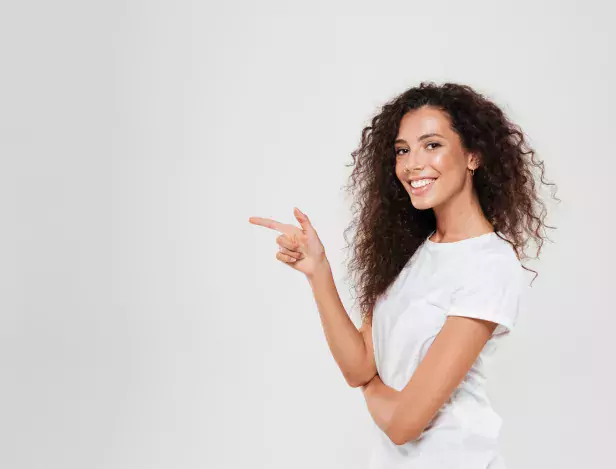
(144, 323)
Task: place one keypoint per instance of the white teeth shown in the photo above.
(421, 182)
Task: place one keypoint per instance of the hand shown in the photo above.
(299, 248)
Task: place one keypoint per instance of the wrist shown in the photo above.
(322, 269)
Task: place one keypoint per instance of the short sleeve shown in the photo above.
(491, 290)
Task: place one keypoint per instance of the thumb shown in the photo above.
(303, 220)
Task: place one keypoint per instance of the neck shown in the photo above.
(461, 217)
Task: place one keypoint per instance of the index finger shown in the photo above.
(268, 223)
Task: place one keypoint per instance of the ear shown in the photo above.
(472, 161)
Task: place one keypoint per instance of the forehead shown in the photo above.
(424, 120)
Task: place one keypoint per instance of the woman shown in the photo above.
(445, 201)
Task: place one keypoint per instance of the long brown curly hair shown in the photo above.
(388, 229)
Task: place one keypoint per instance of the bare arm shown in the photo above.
(404, 415)
(352, 348)
(302, 250)
(381, 401)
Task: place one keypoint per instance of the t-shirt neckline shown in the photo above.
(460, 243)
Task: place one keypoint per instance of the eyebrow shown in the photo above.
(424, 136)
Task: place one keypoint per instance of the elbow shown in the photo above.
(356, 380)
(400, 435)
(399, 438)
(404, 430)
(354, 384)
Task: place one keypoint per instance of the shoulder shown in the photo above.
(500, 251)
(491, 286)
(496, 260)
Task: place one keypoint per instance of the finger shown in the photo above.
(303, 220)
(285, 258)
(268, 223)
(297, 255)
(284, 241)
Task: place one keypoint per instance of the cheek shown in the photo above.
(442, 163)
(448, 166)
(451, 175)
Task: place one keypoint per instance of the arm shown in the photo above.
(381, 401)
(404, 415)
(302, 250)
(352, 348)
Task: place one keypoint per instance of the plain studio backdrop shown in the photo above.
(144, 323)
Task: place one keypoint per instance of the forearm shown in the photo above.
(381, 400)
(343, 338)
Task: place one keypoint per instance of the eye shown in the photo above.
(401, 149)
(434, 143)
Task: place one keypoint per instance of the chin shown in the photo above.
(421, 204)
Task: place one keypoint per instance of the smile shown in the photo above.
(421, 186)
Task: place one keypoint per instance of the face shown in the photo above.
(433, 153)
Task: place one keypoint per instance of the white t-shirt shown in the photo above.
(478, 277)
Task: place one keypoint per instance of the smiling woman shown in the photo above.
(445, 201)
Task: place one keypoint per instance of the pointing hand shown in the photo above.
(299, 248)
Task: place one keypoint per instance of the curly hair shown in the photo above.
(388, 229)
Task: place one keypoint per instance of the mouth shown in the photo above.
(424, 186)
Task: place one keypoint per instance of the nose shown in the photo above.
(410, 165)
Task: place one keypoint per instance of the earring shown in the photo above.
(472, 172)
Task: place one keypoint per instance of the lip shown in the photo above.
(422, 190)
